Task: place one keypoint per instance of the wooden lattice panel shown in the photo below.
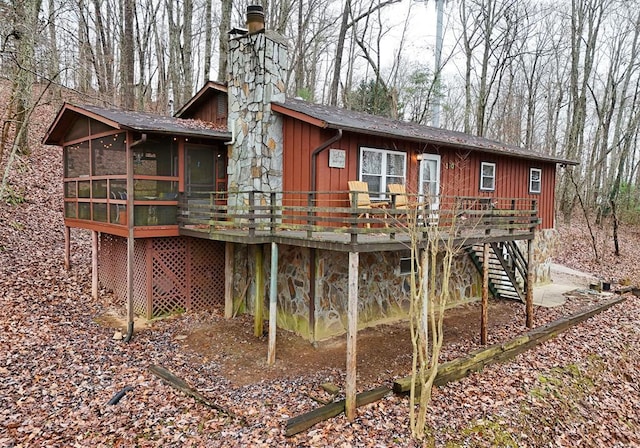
(170, 274)
(169, 285)
(207, 273)
(141, 297)
(112, 269)
(112, 264)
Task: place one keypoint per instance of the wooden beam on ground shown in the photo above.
(228, 279)
(305, 421)
(484, 315)
(273, 302)
(476, 360)
(258, 305)
(67, 248)
(529, 296)
(352, 331)
(182, 386)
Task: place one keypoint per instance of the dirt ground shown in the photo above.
(384, 352)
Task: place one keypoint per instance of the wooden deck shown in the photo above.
(312, 219)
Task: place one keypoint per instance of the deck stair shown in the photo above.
(507, 269)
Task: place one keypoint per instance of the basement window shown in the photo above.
(487, 176)
(405, 266)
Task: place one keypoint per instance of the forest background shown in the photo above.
(559, 77)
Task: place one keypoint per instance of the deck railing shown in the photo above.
(308, 213)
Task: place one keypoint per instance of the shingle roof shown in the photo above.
(349, 120)
(134, 121)
(143, 122)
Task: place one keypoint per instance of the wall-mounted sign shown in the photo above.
(337, 158)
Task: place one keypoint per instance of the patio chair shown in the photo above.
(360, 199)
(399, 199)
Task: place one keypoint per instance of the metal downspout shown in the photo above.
(314, 156)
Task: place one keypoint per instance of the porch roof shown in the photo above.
(350, 120)
(131, 121)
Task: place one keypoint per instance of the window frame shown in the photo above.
(539, 181)
(482, 176)
(383, 174)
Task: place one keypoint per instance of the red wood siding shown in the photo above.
(460, 169)
(214, 110)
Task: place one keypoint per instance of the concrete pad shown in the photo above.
(563, 280)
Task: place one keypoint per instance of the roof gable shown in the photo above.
(208, 91)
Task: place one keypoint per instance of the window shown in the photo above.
(487, 176)
(379, 167)
(535, 180)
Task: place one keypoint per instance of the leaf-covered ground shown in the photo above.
(59, 367)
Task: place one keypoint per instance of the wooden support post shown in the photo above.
(273, 302)
(352, 330)
(228, 280)
(258, 304)
(94, 264)
(130, 267)
(67, 248)
(313, 266)
(529, 296)
(484, 319)
(130, 238)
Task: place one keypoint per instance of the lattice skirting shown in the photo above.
(170, 274)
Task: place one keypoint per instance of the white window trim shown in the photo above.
(482, 176)
(531, 171)
(383, 181)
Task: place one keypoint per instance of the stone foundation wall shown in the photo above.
(545, 245)
(383, 291)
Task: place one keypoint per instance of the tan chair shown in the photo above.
(360, 199)
(399, 200)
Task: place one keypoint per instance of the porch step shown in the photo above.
(507, 269)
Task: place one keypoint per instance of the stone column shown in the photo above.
(256, 77)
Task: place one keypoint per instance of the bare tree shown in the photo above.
(586, 19)
(429, 290)
(223, 47)
(337, 66)
(23, 42)
(127, 58)
(208, 36)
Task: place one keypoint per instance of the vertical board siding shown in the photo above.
(208, 110)
(460, 169)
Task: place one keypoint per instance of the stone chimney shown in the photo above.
(256, 73)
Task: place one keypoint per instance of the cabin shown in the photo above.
(252, 201)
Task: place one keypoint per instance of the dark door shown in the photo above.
(206, 170)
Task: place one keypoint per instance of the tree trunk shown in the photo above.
(208, 32)
(337, 64)
(127, 99)
(223, 39)
(25, 29)
(187, 52)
